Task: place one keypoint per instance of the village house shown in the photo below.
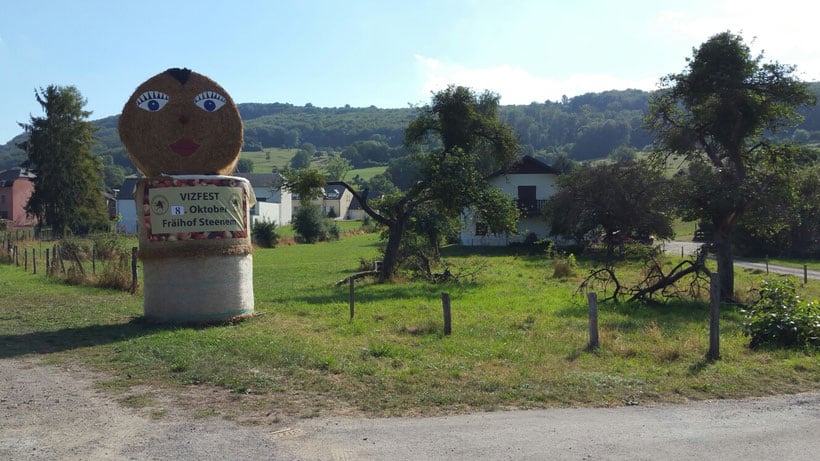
(16, 186)
(529, 182)
(336, 202)
(125, 208)
(273, 203)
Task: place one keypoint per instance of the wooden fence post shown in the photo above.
(445, 304)
(714, 318)
(351, 297)
(133, 269)
(592, 298)
(25, 259)
(34, 259)
(48, 265)
(805, 274)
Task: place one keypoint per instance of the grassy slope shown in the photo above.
(518, 339)
(265, 160)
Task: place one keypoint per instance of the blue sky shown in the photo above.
(386, 53)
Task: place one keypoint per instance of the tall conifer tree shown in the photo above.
(68, 185)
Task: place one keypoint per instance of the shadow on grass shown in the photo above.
(672, 311)
(47, 342)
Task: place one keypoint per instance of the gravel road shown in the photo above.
(54, 412)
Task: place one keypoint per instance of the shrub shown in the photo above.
(116, 272)
(311, 227)
(109, 245)
(564, 266)
(264, 234)
(307, 223)
(780, 318)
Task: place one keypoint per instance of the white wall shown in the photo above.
(545, 187)
(128, 216)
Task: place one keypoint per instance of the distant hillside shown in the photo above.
(585, 127)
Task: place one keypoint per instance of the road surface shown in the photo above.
(51, 412)
(689, 249)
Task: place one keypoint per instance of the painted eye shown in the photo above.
(152, 101)
(209, 101)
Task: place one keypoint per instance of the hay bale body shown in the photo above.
(198, 289)
(195, 245)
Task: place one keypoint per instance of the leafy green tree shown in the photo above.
(716, 112)
(308, 221)
(244, 165)
(458, 140)
(337, 168)
(377, 186)
(404, 172)
(68, 185)
(301, 160)
(114, 176)
(621, 200)
(308, 184)
(309, 224)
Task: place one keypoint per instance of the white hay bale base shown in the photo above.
(198, 289)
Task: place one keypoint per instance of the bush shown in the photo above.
(116, 272)
(109, 245)
(311, 226)
(264, 234)
(780, 318)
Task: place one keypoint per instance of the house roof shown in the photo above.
(526, 165)
(7, 177)
(262, 180)
(334, 191)
(126, 192)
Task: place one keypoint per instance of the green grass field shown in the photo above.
(519, 340)
(264, 161)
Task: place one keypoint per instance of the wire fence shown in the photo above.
(104, 260)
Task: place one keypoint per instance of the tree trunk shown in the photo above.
(391, 250)
(725, 266)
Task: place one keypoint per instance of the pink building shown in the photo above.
(16, 186)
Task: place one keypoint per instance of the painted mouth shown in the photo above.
(184, 147)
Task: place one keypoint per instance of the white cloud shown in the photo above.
(515, 84)
(785, 33)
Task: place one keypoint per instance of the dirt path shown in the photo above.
(52, 412)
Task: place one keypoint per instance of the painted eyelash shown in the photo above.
(209, 95)
(148, 95)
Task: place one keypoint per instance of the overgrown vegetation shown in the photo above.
(264, 234)
(780, 318)
(102, 259)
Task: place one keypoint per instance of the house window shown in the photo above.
(480, 229)
(2, 199)
(527, 201)
(4, 215)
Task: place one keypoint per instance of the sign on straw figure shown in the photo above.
(183, 133)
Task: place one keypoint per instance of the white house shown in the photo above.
(125, 208)
(273, 203)
(337, 201)
(530, 183)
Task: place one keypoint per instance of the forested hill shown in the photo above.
(589, 126)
